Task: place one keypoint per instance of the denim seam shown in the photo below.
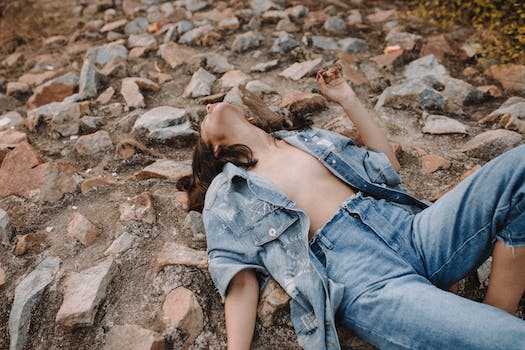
(459, 249)
(379, 335)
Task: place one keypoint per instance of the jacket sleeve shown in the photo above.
(227, 253)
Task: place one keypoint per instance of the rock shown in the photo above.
(438, 46)
(229, 23)
(138, 208)
(335, 25)
(55, 90)
(515, 106)
(142, 40)
(273, 16)
(423, 66)
(161, 77)
(298, 70)
(8, 103)
(138, 25)
(303, 102)
(87, 85)
(439, 125)
(284, 44)
(164, 169)
(432, 163)
(492, 143)
(10, 119)
(182, 310)
(2, 276)
(30, 243)
(246, 41)
(16, 88)
(490, 90)
(350, 69)
(106, 96)
(260, 6)
(113, 25)
(381, 16)
(196, 5)
(94, 143)
(352, 45)
(91, 124)
(116, 67)
(297, 12)
(28, 294)
(82, 229)
(233, 78)
(200, 84)
(25, 174)
(177, 254)
(10, 138)
(260, 87)
(5, 228)
(214, 62)
(13, 60)
(66, 120)
(193, 222)
(174, 54)
(194, 35)
(121, 244)
(37, 79)
(483, 272)
(130, 90)
(265, 66)
(287, 26)
(84, 292)
(407, 41)
(132, 337)
(511, 76)
(166, 123)
(273, 299)
(105, 53)
(324, 42)
(354, 18)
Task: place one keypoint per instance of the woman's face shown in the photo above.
(220, 122)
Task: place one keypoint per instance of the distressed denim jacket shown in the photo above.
(251, 224)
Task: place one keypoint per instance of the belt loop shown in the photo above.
(326, 242)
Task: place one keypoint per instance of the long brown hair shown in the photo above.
(205, 165)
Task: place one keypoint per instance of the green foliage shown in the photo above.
(500, 24)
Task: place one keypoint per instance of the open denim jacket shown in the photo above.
(250, 223)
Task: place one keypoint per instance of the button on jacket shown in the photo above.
(252, 224)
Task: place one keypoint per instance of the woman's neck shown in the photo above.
(258, 140)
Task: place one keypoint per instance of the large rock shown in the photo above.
(284, 44)
(166, 123)
(164, 169)
(10, 119)
(423, 66)
(5, 227)
(130, 90)
(491, 144)
(298, 70)
(514, 106)
(28, 293)
(175, 55)
(132, 337)
(233, 78)
(87, 85)
(511, 76)
(200, 84)
(24, 173)
(138, 208)
(55, 90)
(273, 299)
(66, 119)
(303, 102)
(178, 254)
(84, 292)
(440, 124)
(105, 53)
(94, 143)
(137, 26)
(82, 229)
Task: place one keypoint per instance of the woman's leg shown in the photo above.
(457, 233)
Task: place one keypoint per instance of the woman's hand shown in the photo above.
(334, 86)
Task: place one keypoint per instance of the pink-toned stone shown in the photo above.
(511, 76)
(438, 46)
(160, 77)
(273, 299)
(53, 92)
(106, 96)
(182, 199)
(492, 90)
(16, 88)
(175, 55)
(33, 79)
(381, 16)
(30, 243)
(24, 173)
(350, 70)
(298, 70)
(12, 60)
(387, 60)
(10, 138)
(132, 337)
(182, 310)
(314, 19)
(82, 229)
(113, 25)
(178, 254)
(94, 143)
(138, 208)
(230, 23)
(2, 276)
(55, 41)
(302, 102)
(233, 78)
(10, 119)
(138, 52)
(131, 91)
(287, 26)
(432, 163)
(164, 169)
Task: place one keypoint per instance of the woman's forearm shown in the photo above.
(371, 133)
(240, 309)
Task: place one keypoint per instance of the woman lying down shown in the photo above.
(329, 222)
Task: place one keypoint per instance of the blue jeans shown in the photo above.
(396, 266)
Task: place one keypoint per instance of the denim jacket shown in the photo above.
(252, 224)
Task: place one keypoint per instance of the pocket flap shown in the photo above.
(271, 226)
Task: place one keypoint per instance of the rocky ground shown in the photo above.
(97, 249)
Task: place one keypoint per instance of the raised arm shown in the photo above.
(334, 86)
(240, 309)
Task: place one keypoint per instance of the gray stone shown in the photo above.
(284, 44)
(406, 40)
(5, 227)
(190, 37)
(165, 123)
(297, 12)
(265, 66)
(88, 79)
(260, 87)
(196, 5)
(246, 41)
(28, 293)
(132, 337)
(352, 45)
(105, 53)
(142, 40)
(8, 103)
(354, 17)
(335, 25)
(121, 244)
(66, 121)
(260, 6)
(11, 119)
(491, 144)
(90, 124)
(427, 65)
(324, 42)
(234, 96)
(298, 70)
(137, 26)
(458, 92)
(200, 84)
(45, 111)
(193, 222)
(440, 124)
(217, 63)
(515, 106)
(91, 144)
(84, 292)
(484, 272)
(183, 26)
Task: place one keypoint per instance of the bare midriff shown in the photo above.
(306, 181)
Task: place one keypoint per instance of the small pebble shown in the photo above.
(49, 229)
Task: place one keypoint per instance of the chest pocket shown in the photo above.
(271, 226)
